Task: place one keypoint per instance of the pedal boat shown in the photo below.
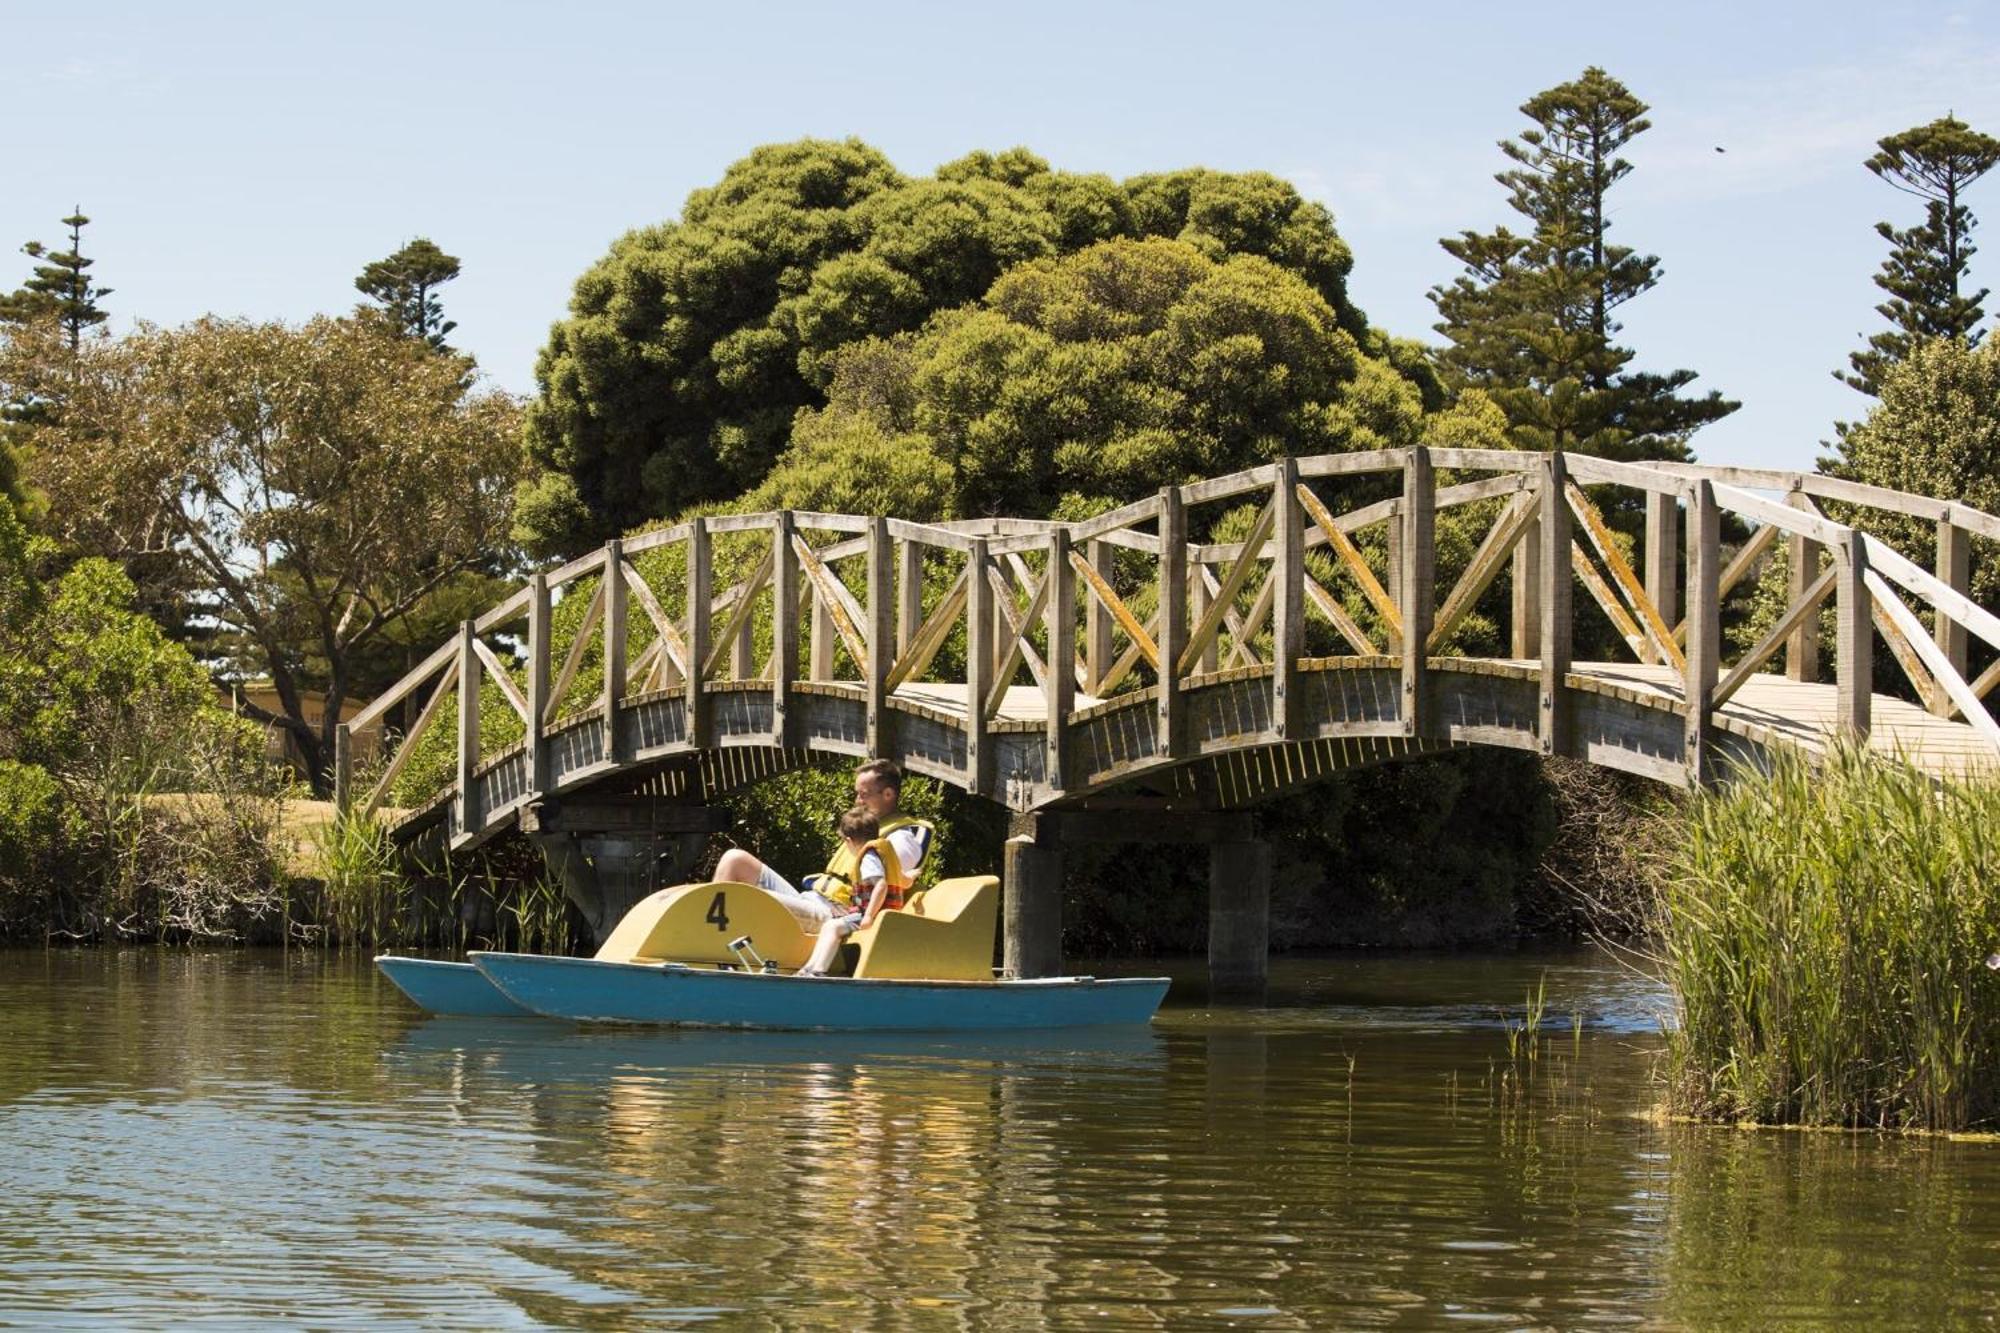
(725, 955)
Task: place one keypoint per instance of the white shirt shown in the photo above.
(870, 871)
(909, 842)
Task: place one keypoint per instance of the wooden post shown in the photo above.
(1197, 607)
(466, 811)
(1553, 623)
(1031, 873)
(1172, 592)
(1096, 620)
(343, 769)
(1416, 595)
(700, 592)
(1802, 648)
(1288, 605)
(909, 593)
(1704, 621)
(1060, 614)
(538, 685)
(819, 646)
(1663, 539)
(1239, 917)
(784, 625)
(615, 598)
(1954, 570)
(978, 668)
(1527, 593)
(882, 630)
(1854, 640)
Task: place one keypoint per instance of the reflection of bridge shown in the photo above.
(1113, 679)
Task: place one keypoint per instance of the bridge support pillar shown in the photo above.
(1031, 871)
(1239, 917)
(610, 852)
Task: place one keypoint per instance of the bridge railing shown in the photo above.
(753, 611)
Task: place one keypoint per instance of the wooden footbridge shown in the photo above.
(1143, 661)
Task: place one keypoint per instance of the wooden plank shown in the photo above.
(1239, 645)
(978, 669)
(1554, 630)
(909, 594)
(1854, 656)
(406, 686)
(1649, 622)
(784, 626)
(1252, 624)
(465, 798)
(1483, 460)
(1662, 556)
(738, 623)
(1350, 556)
(1934, 590)
(1525, 595)
(574, 658)
(1483, 568)
(447, 686)
(538, 684)
(931, 636)
(1954, 570)
(1344, 465)
(1636, 476)
(1202, 639)
(1198, 603)
(1799, 611)
(614, 587)
(1102, 591)
(1704, 640)
(757, 522)
(700, 609)
(929, 535)
(502, 678)
(1933, 658)
(1779, 515)
(1414, 597)
(673, 645)
(1747, 557)
(1929, 692)
(1018, 625)
(1170, 594)
(840, 605)
(1096, 621)
(1614, 610)
(1288, 625)
(883, 613)
(1983, 686)
(1122, 668)
(1337, 614)
(1139, 511)
(1059, 697)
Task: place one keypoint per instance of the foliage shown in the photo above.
(1828, 934)
(1081, 382)
(405, 287)
(321, 482)
(1927, 263)
(691, 347)
(60, 288)
(1531, 318)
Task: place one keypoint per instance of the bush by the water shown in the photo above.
(1829, 935)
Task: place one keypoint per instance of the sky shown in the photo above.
(248, 160)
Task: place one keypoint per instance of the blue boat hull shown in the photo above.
(456, 989)
(585, 990)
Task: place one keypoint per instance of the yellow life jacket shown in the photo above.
(840, 882)
(926, 831)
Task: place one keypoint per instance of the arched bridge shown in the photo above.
(1046, 665)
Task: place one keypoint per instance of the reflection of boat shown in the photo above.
(684, 956)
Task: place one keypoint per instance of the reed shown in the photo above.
(1830, 935)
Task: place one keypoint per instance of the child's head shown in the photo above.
(859, 825)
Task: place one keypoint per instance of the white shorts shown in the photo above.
(811, 910)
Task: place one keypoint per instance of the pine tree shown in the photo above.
(1927, 262)
(60, 287)
(406, 283)
(1532, 318)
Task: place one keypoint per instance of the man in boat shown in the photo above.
(878, 786)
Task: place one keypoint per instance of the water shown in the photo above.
(281, 1139)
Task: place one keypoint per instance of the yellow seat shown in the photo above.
(944, 933)
(695, 923)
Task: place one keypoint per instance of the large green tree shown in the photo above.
(690, 348)
(1925, 272)
(321, 482)
(1532, 319)
(405, 287)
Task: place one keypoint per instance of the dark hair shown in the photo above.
(885, 771)
(859, 824)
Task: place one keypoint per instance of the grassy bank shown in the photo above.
(1831, 937)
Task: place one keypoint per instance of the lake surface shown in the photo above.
(281, 1139)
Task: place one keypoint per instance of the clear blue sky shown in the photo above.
(249, 159)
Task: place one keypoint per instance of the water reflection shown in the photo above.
(280, 1138)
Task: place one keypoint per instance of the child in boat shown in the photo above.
(863, 881)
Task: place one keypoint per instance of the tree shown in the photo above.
(1927, 263)
(405, 286)
(691, 347)
(320, 482)
(1532, 318)
(61, 287)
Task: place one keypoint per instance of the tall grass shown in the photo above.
(1827, 933)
